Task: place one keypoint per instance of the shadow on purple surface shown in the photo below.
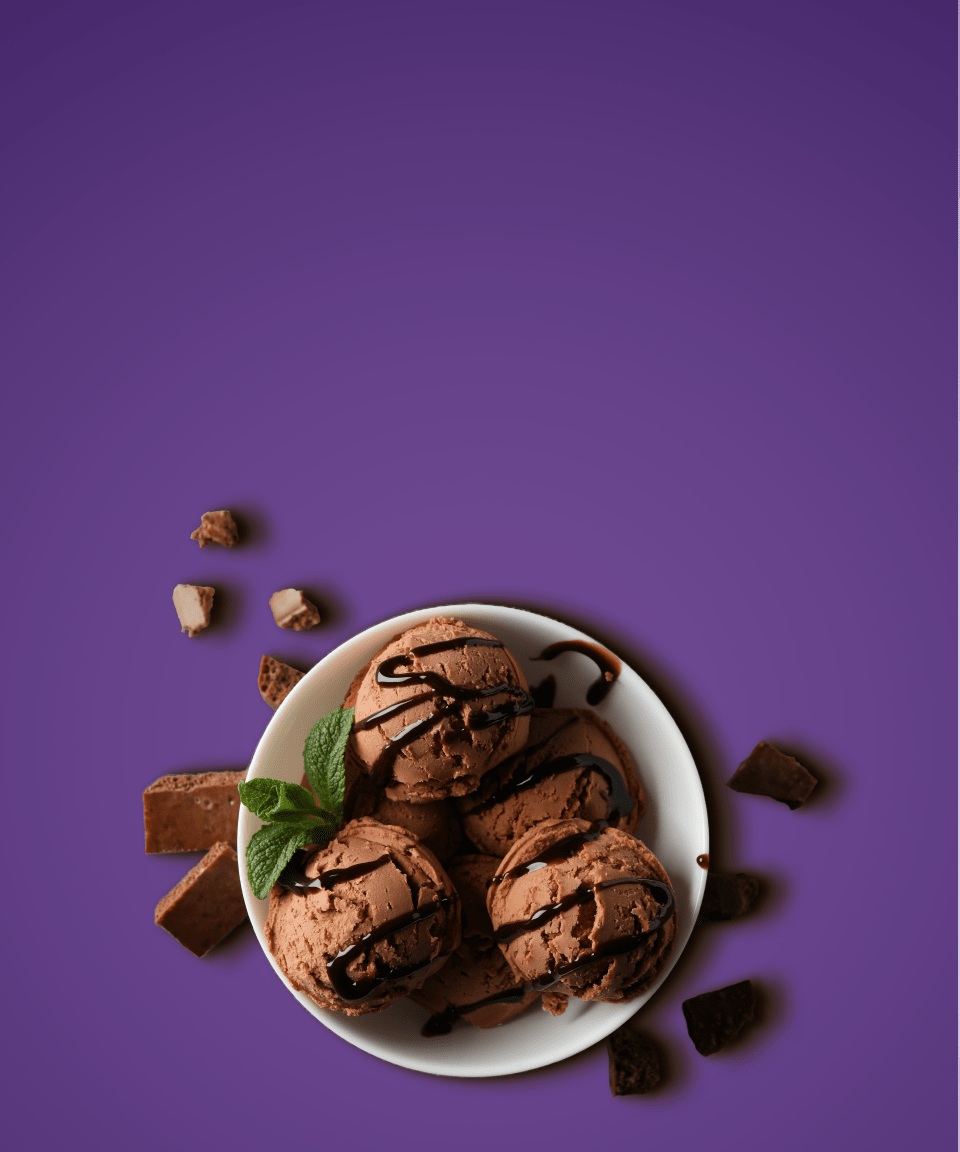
(253, 527)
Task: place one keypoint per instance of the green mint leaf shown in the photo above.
(278, 799)
(269, 852)
(323, 758)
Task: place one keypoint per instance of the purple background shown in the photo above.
(638, 313)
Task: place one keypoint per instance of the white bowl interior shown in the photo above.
(674, 826)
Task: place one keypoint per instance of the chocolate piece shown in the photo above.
(192, 811)
(728, 896)
(714, 1018)
(768, 772)
(276, 679)
(207, 904)
(292, 610)
(193, 603)
(216, 528)
(555, 1002)
(634, 1062)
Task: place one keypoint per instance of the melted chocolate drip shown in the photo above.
(350, 990)
(559, 851)
(388, 674)
(704, 860)
(608, 664)
(545, 692)
(294, 877)
(442, 1023)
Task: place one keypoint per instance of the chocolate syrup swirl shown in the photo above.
(545, 692)
(388, 674)
(294, 877)
(349, 989)
(608, 664)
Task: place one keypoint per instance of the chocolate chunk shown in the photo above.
(634, 1062)
(207, 904)
(193, 603)
(292, 610)
(728, 896)
(276, 679)
(714, 1018)
(768, 772)
(192, 811)
(216, 528)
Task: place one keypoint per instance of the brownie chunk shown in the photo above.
(276, 679)
(634, 1062)
(216, 528)
(192, 811)
(206, 904)
(291, 609)
(714, 1018)
(728, 896)
(193, 603)
(768, 772)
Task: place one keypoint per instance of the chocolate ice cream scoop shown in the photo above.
(365, 920)
(435, 709)
(434, 824)
(585, 907)
(476, 983)
(573, 765)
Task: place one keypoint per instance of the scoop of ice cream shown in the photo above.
(435, 709)
(584, 907)
(477, 972)
(434, 824)
(375, 916)
(573, 765)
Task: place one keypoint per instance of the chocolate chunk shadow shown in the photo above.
(234, 944)
(253, 527)
(831, 784)
(770, 1013)
(228, 607)
(334, 610)
(703, 745)
(774, 894)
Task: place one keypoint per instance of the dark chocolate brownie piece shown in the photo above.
(728, 896)
(714, 1018)
(634, 1062)
(769, 772)
(207, 904)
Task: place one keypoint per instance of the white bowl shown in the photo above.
(674, 826)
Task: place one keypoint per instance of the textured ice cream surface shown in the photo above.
(429, 725)
(612, 893)
(548, 780)
(435, 824)
(394, 892)
(477, 971)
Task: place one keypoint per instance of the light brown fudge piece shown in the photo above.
(193, 603)
(292, 610)
(276, 680)
(191, 811)
(216, 528)
(207, 904)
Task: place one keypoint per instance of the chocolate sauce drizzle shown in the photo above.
(608, 664)
(294, 877)
(442, 1023)
(704, 860)
(388, 674)
(545, 692)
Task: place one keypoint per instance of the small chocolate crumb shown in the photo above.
(193, 603)
(769, 772)
(276, 680)
(291, 609)
(714, 1018)
(554, 1001)
(634, 1062)
(728, 896)
(216, 528)
(207, 904)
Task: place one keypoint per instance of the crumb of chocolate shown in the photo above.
(207, 904)
(191, 811)
(193, 603)
(634, 1062)
(714, 1018)
(769, 772)
(216, 528)
(728, 896)
(291, 609)
(554, 1002)
(276, 680)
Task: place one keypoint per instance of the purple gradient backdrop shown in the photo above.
(639, 313)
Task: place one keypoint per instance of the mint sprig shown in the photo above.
(292, 817)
